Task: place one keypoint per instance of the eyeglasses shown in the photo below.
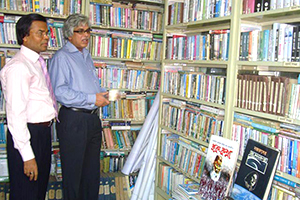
(42, 33)
(81, 31)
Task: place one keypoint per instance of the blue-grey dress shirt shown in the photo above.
(74, 78)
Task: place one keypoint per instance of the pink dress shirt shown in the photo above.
(27, 98)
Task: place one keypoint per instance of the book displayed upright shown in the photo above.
(256, 172)
(219, 166)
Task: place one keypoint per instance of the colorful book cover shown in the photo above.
(256, 172)
(190, 188)
(219, 167)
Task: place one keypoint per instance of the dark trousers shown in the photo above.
(80, 142)
(21, 188)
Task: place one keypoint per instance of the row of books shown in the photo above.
(133, 45)
(112, 186)
(185, 155)
(213, 45)
(127, 15)
(56, 38)
(116, 186)
(269, 94)
(122, 76)
(8, 31)
(284, 189)
(195, 10)
(251, 6)
(281, 43)
(218, 179)
(118, 136)
(170, 178)
(186, 192)
(58, 7)
(133, 108)
(111, 162)
(195, 85)
(193, 120)
(272, 134)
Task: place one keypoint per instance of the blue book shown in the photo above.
(263, 127)
(228, 38)
(197, 46)
(290, 155)
(266, 35)
(98, 13)
(203, 48)
(295, 158)
(218, 8)
(285, 181)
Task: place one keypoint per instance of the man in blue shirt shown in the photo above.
(77, 89)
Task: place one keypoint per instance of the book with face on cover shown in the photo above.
(256, 172)
(219, 166)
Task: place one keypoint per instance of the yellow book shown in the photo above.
(152, 51)
(122, 48)
(279, 195)
(128, 49)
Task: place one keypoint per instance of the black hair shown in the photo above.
(24, 24)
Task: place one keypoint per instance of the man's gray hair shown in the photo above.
(72, 22)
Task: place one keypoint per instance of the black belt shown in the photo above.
(95, 111)
(48, 124)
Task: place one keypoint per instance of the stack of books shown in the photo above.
(186, 192)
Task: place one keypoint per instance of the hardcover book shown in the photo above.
(219, 166)
(256, 172)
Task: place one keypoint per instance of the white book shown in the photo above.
(180, 48)
(254, 46)
(287, 3)
(279, 4)
(270, 45)
(296, 2)
(10, 33)
(194, 10)
(285, 46)
(281, 34)
(273, 4)
(290, 33)
(274, 41)
(222, 8)
(14, 34)
(200, 11)
(207, 13)
(186, 11)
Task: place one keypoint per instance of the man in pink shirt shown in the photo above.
(29, 111)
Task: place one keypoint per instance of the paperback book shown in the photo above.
(256, 172)
(219, 166)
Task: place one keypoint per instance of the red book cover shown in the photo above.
(219, 167)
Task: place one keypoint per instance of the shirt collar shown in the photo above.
(30, 54)
(72, 49)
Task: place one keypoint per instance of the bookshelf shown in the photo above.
(125, 44)
(231, 68)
